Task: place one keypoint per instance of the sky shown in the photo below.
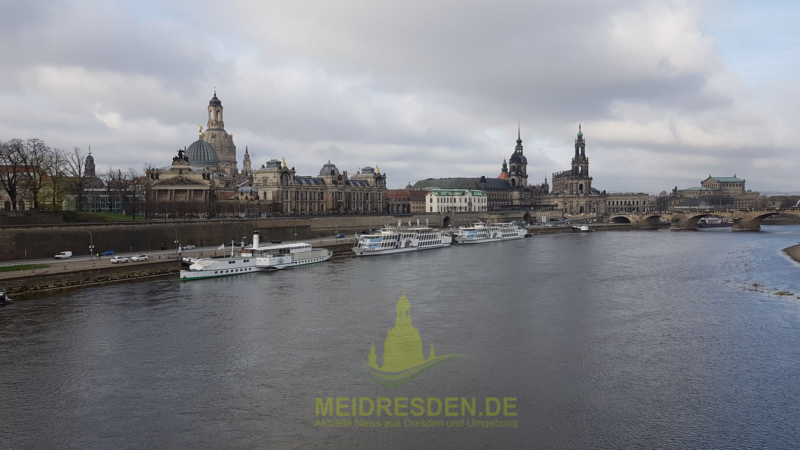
(667, 92)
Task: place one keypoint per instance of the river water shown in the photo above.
(639, 339)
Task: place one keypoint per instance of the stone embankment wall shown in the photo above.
(51, 279)
(44, 241)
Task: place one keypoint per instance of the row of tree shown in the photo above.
(33, 173)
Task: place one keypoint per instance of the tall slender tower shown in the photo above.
(217, 136)
(89, 169)
(518, 165)
(246, 170)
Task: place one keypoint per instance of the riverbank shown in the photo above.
(793, 252)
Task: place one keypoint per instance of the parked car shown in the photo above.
(139, 258)
(108, 253)
(340, 236)
(119, 259)
(189, 247)
(64, 255)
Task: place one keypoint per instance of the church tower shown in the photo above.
(580, 167)
(89, 169)
(217, 136)
(246, 170)
(518, 166)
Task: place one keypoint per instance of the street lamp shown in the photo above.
(91, 244)
(244, 232)
(176, 238)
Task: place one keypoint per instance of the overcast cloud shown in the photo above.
(667, 91)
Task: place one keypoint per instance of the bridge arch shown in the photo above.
(620, 219)
(651, 219)
(446, 221)
(527, 217)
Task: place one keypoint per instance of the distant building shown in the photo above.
(455, 200)
(406, 201)
(332, 191)
(205, 171)
(629, 202)
(727, 192)
(510, 190)
(572, 190)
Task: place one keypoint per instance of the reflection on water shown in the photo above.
(634, 339)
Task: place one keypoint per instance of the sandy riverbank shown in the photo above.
(793, 252)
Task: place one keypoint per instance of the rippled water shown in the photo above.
(608, 340)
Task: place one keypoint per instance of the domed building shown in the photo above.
(195, 176)
(201, 153)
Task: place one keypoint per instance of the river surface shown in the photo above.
(639, 339)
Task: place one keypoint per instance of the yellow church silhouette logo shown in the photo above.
(403, 359)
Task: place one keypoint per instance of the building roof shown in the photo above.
(201, 153)
(214, 100)
(455, 192)
(329, 169)
(311, 181)
(461, 183)
(732, 179)
(698, 189)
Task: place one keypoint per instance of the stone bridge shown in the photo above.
(743, 219)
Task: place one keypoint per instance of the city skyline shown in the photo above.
(667, 92)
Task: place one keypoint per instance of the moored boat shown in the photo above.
(256, 258)
(4, 298)
(714, 222)
(390, 240)
(480, 233)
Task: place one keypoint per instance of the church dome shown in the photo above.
(201, 153)
(329, 169)
(518, 158)
(214, 100)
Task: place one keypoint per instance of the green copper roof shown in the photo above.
(454, 192)
(727, 179)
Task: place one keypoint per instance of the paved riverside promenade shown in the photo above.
(86, 270)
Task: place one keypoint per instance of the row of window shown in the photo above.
(460, 199)
(625, 202)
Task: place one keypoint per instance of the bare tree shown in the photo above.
(75, 166)
(54, 166)
(12, 174)
(144, 190)
(34, 154)
(111, 183)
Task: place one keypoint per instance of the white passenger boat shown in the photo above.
(398, 240)
(256, 258)
(480, 233)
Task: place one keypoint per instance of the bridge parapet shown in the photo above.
(743, 219)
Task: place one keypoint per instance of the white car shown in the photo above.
(189, 247)
(119, 259)
(139, 258)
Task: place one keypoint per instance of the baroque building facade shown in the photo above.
(331, 191)
(728, 192)
(509, 190)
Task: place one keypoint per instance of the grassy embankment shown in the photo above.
(23, 267)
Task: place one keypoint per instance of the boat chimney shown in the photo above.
(255, 239)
